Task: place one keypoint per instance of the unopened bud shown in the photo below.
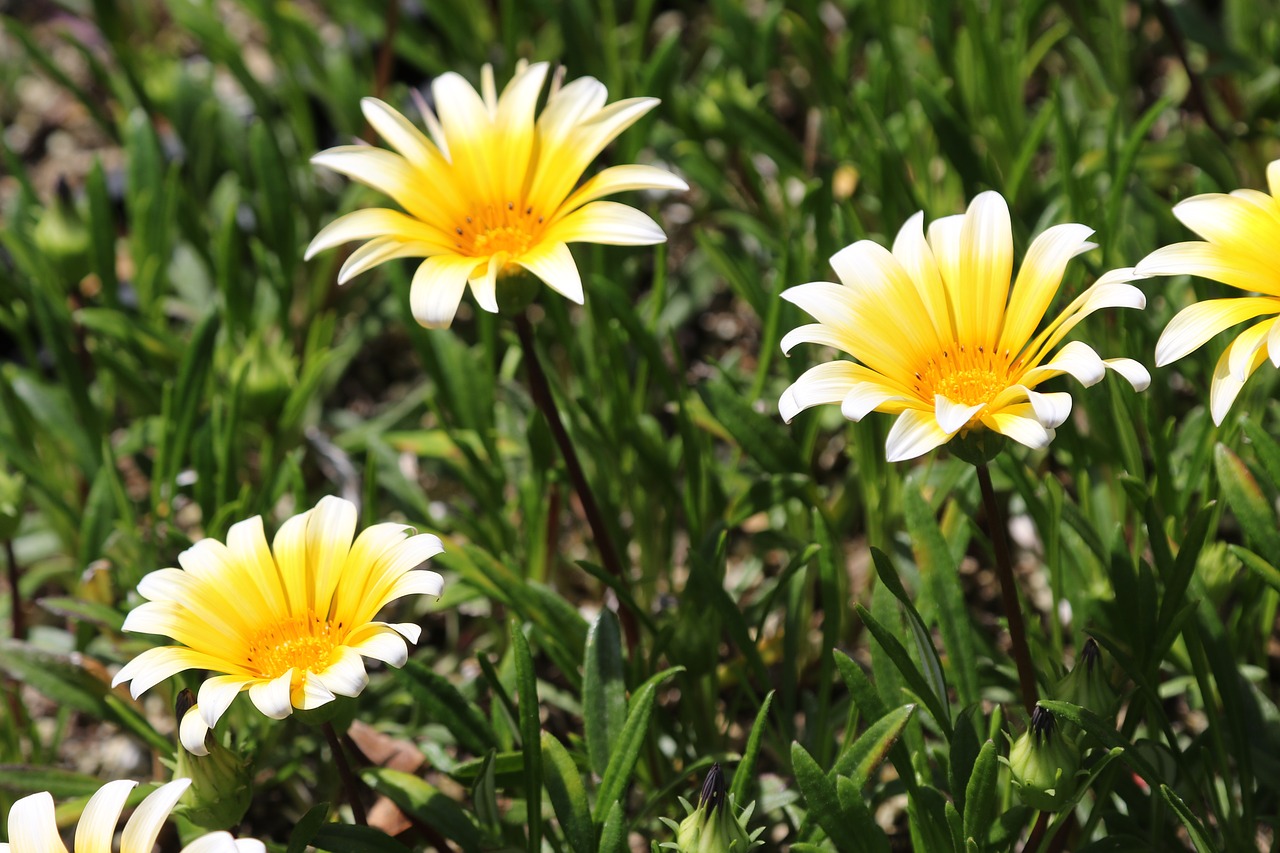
(221, 787)
(62, 236)
(1044, 762)
(1087, 684)
(713, 827)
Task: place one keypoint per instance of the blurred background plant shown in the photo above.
(171, 366)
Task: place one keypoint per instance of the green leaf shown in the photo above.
(530, 734)
(760, 437)
(980, 800)
(1260, 567)
(343, 838)
(613, 837)
(1246, 500)
(623, 759)
(604, 689)
(821, 800)
(871, 748)
(63, 784)
(1196, 829)
(910, 672)
(940, 578)
(568, 795)
(856, 815)
(426, 803)
(742, 775)
(304, 831)
(919, 631)
(443, 704)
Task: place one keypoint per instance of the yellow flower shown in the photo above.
(940, 338)
(1242, 231)
(492, 191)
(290, 624)
(34, 829)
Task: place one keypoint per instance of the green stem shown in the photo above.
(344, 771)
(1008, 590)
(17, 621)
(540, 389)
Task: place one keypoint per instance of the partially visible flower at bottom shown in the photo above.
(713, 827)
(1044, 762)
(33, 827)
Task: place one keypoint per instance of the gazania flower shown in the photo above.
(942, 341)
(290, 624)
(34, 829)
(492, 190)
(1241, 231)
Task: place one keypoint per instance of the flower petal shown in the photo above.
(1077, 359)
(916, 257)
(914, 433)
(812, 333)
(401, 135)
(1211, 261)
(986, 266)
(33, 827)
(310, 693)
(384, 645)
(1139, 377)
(616, 179)
(216, 695)
(272, 697)
(1050, 409)
(606, 222)
(437, 289)
(1038, 281)
(554, 264)
(193, 730)
(155, 665)
(951, 415)
(1197, 323)
(143, 828)
(380, 250)
(1226, 384)
(824, 383)
(97, 827)
(484, 286)
(345, 675)
(222, 842)
(1021, 424)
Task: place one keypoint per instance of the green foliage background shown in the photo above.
(172, 366)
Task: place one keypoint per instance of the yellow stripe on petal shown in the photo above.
(986, 266)
(618, 179)
(1196, 324)
(1227, 384)
(377, 222)
(912, 252)
(1207, 260)
(1038, 281)
(913, 434)
(401, 135)
(606, 222)
(1237, 226)
(380, 250)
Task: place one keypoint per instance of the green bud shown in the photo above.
(1087, 684)
(516, 290)
(977, 446)
(713, 827)
(63, 238)
(268, 371)
(1044, 762)
(221, 785)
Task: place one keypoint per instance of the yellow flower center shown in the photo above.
(968, 375)
(303, 642)
(510, 228)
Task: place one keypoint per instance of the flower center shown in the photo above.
(303, 642)
(968, 375)
(510, 228)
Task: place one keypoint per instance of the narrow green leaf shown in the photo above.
(980, 800)
(568, 795)
(1246, 500)
(856, 815)
(1260, 567)
(604, 690)
(871, 748)
(613, 837)
(344, 838)
(910, 672)
(760, 437)
(530, 734)
(822, 801)
(1196, 829)
(623, 759)
(443, 704)
(742, 775)
(915, 623)
(426, 803)
(304, 831)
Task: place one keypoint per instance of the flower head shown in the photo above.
(1043, 763)
(941, 340)
(1240, 232)
(290, 624)
(1087, 684)
(493, 189)
(33, 827)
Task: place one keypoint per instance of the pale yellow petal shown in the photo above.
(1227, 384)
(1238, 226)
(380, 250)
(1038, 281)
(821, 384)
(391, 174)
(272, 698)
(377, 222)
(554, 264)
(437, 289)
(950, 415)
(33, 826)
(1197, 323)
(401, 135)
(193, 731)
(606, 222)
(913, 434)
(1207, 260)
(97, 827)
(1021, 424)
(484, 283)
(618, 179)
(916, 257)
(986, 266)
(143, 828)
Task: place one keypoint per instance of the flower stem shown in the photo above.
(344, 771)
(1008, 590)
(540, 389)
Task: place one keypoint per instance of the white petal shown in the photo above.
(1020, 424)
(222, 842)
(33, 827)
(1273, 338)
(421, 582)
(554, 264)
(1050, 409)
(141, 831)
(812, 333)
(618, 179)
(484, 286)
(437, 289)
(1139, 377)
(914, 433)
(345, 676)
(824, 383)
(1076, 359)
(1273, 178)
(409, 630)
(272, 697)
(312, 694)
(400, 134)
(950, 415)
(1241, 362)
(380, 250)
(1038, 281)
(216, 695)
(155, 665)
(867, 396)
(385, 646)
(97, 827)
(374, 222)
(193, 731)
(606, 222)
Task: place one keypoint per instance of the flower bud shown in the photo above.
(712, 827)
(1087, 684)
(11, 491)
(269, 372)
(1044, 762)
(221, 787)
